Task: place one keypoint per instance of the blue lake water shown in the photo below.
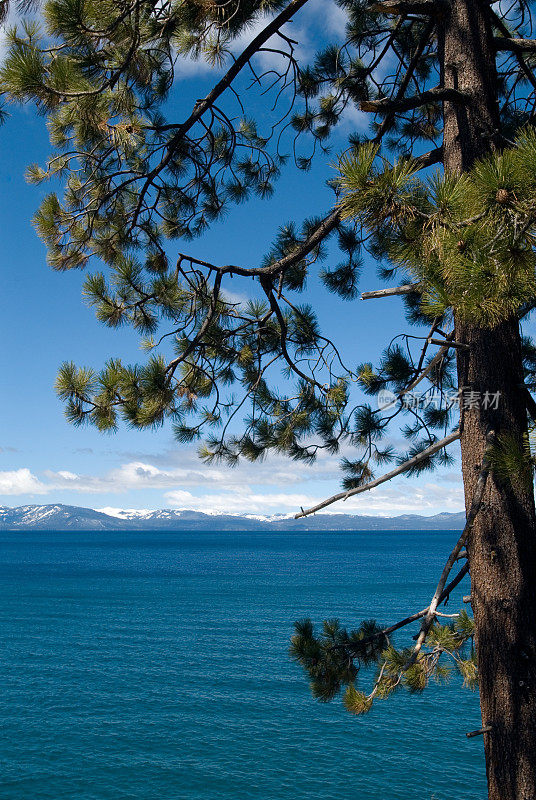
(155, 666)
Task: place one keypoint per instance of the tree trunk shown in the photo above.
(502, 544)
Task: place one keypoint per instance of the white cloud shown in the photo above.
(238, 502)
(120, 513)
(183, 468)
(184, 463)
(251, 488)
(354, 120)
(403, 497)
(133, 475)
(21, 481)
(330, 16)
(178, 478)
(389, 501)
(234, 297)
(186, 68)
(68, 476)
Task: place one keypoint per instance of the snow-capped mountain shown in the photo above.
(74, 518)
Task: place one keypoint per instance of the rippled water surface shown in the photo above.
(154, 667)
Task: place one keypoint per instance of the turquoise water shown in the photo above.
(154, 667)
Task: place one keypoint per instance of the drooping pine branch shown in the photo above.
(407, 465)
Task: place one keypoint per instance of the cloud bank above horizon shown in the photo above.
(178, 480)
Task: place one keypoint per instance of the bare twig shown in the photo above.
(407, 288)
(457, 345)
(480, 731)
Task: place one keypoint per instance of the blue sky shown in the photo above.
(45, 460)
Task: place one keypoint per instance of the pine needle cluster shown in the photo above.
(334, 658)
(102, 73)
(468, 242)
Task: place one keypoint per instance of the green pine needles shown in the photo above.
(467, 241)
(102, 72)
(335, 658)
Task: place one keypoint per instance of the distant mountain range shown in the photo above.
(74, 518)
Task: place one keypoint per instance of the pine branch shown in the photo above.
(515, 45)
(399, 8)
(387, 477)
(412, 66)
(172, 366)
(499, 24)
(202, 106)
(445, 594)
(323, 229)
(395, 290)
(429, 367)
(266, 285)
(388, 106)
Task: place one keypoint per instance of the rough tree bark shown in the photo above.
(502, 544)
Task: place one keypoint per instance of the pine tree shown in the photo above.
(447, 82)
